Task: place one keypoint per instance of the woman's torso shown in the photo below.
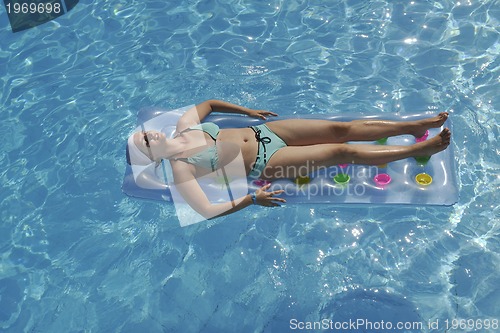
(227, 139)
(244, 138)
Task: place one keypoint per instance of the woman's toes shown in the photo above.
(445, 135)
(442, 118)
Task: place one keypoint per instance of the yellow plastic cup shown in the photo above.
(423, 179)
(302, 180)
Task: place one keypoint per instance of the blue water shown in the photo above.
(76, 255)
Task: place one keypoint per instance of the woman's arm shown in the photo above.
(214, 105)
(262, 198)
(197, 114)
(190, 189)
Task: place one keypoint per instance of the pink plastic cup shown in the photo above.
(423, 137)
(382, 179)
(261, 182)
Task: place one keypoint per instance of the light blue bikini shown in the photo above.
(268, 141)
(207, 158)
(209, 128)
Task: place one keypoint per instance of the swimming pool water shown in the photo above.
(76, 255)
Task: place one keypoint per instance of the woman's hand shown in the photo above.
(262, 114)
(268, 199)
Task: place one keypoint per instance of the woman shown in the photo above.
(276, 149)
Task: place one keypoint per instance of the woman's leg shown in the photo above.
(294, 161)
(302, 132)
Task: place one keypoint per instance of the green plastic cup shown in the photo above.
(341, 178)
(422, 159)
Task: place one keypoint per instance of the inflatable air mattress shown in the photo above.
(410, 181)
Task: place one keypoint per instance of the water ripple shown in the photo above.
(78, 255)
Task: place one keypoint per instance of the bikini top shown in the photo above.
(206, 158)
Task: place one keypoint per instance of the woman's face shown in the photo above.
(151, 143)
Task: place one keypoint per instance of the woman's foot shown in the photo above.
(423, 125)
(434, 145)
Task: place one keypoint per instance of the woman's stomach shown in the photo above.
(244, 140)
